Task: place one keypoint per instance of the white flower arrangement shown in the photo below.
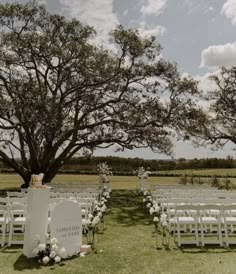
(104, 172)
(91, 225)
(51, 252)
(142, 173)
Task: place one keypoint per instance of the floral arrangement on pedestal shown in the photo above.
(142, 175)
(95, 221)
(105, 173)
(159, 218)
(50, 252)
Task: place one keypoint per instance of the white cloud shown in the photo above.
(98, 14)
(155, 31)
(153, 6)
(229, 10)
(219, 55)
(204, 83)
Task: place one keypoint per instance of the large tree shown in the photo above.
(218, 124)
(61, 95)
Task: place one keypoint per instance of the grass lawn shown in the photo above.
(118, 182)
(127, 245)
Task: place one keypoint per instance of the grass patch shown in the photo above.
(127, 246)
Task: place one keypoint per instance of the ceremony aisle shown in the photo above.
(127, 246)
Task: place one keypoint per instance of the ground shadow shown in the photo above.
(128, 208)
(207, 249)
(22, 263)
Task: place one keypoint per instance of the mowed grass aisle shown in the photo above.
(128, 246)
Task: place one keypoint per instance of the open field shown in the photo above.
(12, 181)
(118, 182)
(204, 172)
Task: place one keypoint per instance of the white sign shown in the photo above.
(36, 219)
(66, 226)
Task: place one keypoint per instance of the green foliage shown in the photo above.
(62, 96)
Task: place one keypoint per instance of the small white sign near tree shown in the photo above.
(66, 226)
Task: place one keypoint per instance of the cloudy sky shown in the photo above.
(197, 34)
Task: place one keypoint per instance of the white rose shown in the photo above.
(62, 252)
(52, 254)
(163, 217)
(57, 259)
(54, 247)
(156, 219)
(144, 200)
(100, 214)
(148, 205)
(46, 259)
(164, 223)
(151, 210)
(90, 216)
(41, 247)
(53, 241)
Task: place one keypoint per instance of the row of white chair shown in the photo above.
(208, 223)
(13, 215)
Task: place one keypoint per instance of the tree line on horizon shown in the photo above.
(130, 165)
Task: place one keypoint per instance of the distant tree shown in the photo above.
(60, 95)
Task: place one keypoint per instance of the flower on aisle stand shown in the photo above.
(92, 224)
(164, 225)
(142, 175)
(104, 172)
(50, 252)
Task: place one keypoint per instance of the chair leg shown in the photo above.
(178, 235)
(10, 234)
(196, 235)
(3, 234)
(202, 235)
(220, 235)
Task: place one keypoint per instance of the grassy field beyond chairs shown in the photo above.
(13, 181)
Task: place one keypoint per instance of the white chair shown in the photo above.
(186, 224)
(210, 222)
(15, 194)
(229, 222)
(16, 200)
(17, 213)
(3, 222)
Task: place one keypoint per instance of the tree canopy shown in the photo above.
(61, 95)
(218, 126)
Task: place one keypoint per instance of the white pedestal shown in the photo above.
(36, 219)
(143, 184)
